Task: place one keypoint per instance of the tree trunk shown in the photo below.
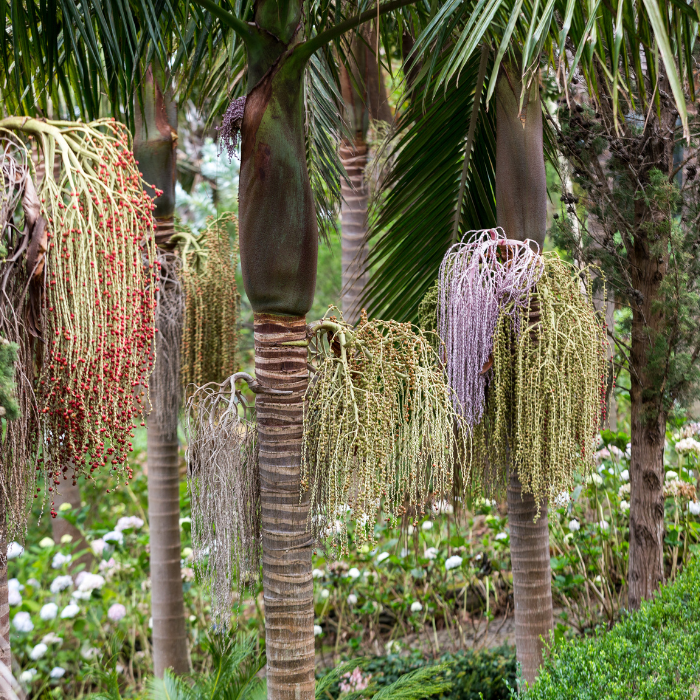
(70, 493)
(287, 542)
(532, 577)
(648, 425)
(167, 605)
(155, 148)
(521, 208)
(365, 100)
(353, 217)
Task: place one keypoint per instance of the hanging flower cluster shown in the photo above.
(478, 280)
(224, 485)
(97, 264)
(210, 334)
(526, 352)
(379, 426)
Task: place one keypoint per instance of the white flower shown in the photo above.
(27, 676)
(116, 612)
(88, 582)
(150, 623)
(48, 611)
(57, 672)
(46, 543)
(624, 506)
(182, 521)
(427, 525)
(502, 536)
(454, 562)
(89, 652)
(52, 638)
(443, 507)
(431, 553)
(60, 583)
(14, 550)
(114, 536)
(22, 622)
(60, 559)
(317, 573)
(318, 630)
(625, 475)
(598, 579)
(325, 593)
(562, 500)
(694, 508)
(574, 525)
(33, 583)
(69, 611)
(66, 539)
(38, 651)
(624, 490)
(616, 451)
(352, 599)
(381, 557)
(354, 573)
(602, 454)
(416, 606)
(595, 479)
(628, 450)
(404, 552)
(568, 537)
(411, 530)
(687, 445)
(130, 522)
(14, 585)
(81, 595)
(671, 475)
(604, 524)
(97, 547)
(14, 597)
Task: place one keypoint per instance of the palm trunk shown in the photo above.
(287, 579)
(365, 99)
(521, 201)
(167, 605)
(155, 148)
(353, 217)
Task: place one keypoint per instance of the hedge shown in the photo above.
(652, 654)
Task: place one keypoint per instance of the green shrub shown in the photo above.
(652, 654)
(474, 675)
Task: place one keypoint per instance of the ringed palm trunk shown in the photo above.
(365, 99)
(155, 146)
(279, 250)
(521, 209)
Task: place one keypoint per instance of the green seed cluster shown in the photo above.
(210, 332)
(546, 399)
(379, 427)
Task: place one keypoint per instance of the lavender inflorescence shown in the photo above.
(230, 129)
(478, 280)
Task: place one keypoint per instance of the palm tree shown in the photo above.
(570, 36)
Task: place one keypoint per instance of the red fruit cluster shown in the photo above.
(99, 307)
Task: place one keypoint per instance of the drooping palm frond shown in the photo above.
(412, 228)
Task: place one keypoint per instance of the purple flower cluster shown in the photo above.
(478, 281)
(230, 128)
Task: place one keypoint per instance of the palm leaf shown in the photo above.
(413, 216)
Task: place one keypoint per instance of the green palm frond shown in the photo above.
(413, 217)
(626, 43)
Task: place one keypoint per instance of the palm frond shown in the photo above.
(421, 683)
(413, 215)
